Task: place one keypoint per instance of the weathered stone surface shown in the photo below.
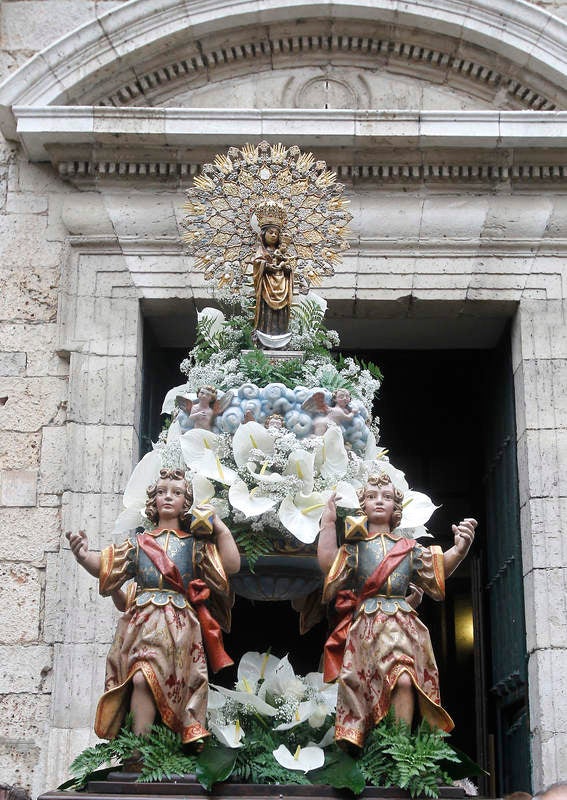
(18, 487)
(39, 342)
(23, 244)
(25, 669)
(27, 537)
(546, 608)
(20, 759)
(29, 296)
(20, 603)
(33, 25)
(19, 450)
(53, 459)
(24, 716)
(78, 666)
(12, 363)
(101, 457)
(103, 389)
(33, 403)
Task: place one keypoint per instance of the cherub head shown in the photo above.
(274, 421)
(341, 398)
(381, 501)
(208, 392)
(169, 497)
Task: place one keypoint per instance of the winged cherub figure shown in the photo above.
(339, 412)
(202, 412)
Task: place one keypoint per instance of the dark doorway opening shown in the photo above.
(434, 407)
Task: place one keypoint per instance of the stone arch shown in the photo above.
(125, 56)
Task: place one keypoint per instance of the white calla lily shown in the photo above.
(228, 735)
(303, 713)
(215, 319)
(174, 431)
(250, 503)
(304, 759)
(251, 436)
(204, 494)
(145, 473)
(255, 667)
(417, 509)
(301, 514)
(248, 699)
(331, 459)
(281, 681)
(397, 477)
(301, 463)
(326, 692)
(168, 406)
(199, 448)
(346, 495)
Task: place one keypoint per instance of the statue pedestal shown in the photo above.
(122, 784)
(278, 355)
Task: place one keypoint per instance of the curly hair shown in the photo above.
(212, 391)
(383, 480)
(151, 505)
(335, 393)
(274, 418)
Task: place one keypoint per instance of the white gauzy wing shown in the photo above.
(417, 509)
(248, 502)
(203, 490)
(145, 473)
(168, 406)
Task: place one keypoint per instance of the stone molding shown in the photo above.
(116, 43)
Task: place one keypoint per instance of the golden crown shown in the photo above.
(270, 212)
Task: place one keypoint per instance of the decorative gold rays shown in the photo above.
(221, 230)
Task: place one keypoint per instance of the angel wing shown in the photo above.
(184, 403)
(315, 404)
(223, 403)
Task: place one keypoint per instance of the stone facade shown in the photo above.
(459, 216)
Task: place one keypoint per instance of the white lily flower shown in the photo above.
(216, 319)
(371, 448)
(396, 476)
(204, 494)
(304, 712)
(174, 431)
(281, 681)
(248, 699)
(346, 495)
(331, 459)
(326, 692)
(301, 463)
(199, 448)
(145, 473)
(327, 739)
(229, 735)
(304, 760)
(301, 514)
(251, 436)
(250, 503)
(318, 715)
(253, 668)
(417, 509)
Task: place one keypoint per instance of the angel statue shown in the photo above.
(274, 209)
(201, 413)
(173, 613)
(339, 412)
(380, 651)
(272, 277)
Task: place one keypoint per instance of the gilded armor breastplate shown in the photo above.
(391, 594)
(152, 586)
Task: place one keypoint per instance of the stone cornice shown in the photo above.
(139, 142)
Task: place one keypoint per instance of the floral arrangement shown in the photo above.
(276, 727)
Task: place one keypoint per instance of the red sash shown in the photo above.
(197, 593)
(347, 603)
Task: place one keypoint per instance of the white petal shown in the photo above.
(397, 477)
(215, 316)
(303, 713)
(211, 467)
(334, 456)
(174, 431)
(145, 473)
(301, 515)
(417, 509)
(326, 692)
(250, 503)
(203, 490)
(229, 735)
(168, 406)
(127, 520)
(279, 678)
(215, 700)
(251, 436)
(301, 463)
(196, 444)
(308, 758)
(255, 666)
(328, 738)
(346, 495)
(371, 449)
(248, 699)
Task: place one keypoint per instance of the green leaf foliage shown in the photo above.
(253, 545)
(340, 771)
(259, 369)
(215, 764)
